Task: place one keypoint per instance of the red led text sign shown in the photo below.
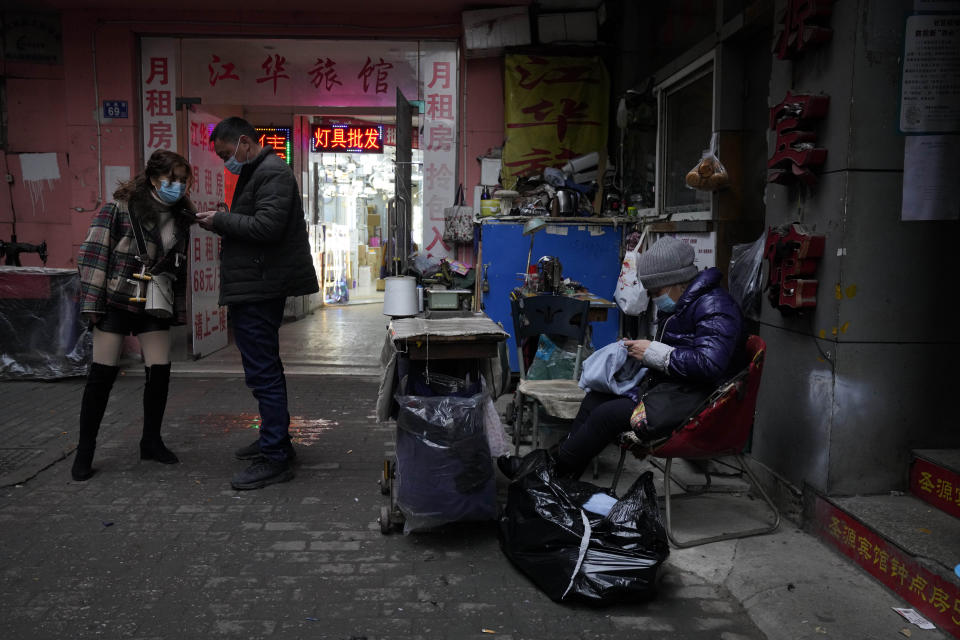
(278, 139)
(348, 138)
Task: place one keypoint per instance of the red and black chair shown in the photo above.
(721, 428)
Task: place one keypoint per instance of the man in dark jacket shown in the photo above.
(265, 258)
(701, 343)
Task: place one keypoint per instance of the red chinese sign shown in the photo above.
(803, 26)
(934, 597)
(280, 139)
(298, 72)
(345, 138)
(795, 151)
(556, 109)
(936, 485)
(158, 110)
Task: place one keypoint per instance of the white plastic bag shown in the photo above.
(630, 295)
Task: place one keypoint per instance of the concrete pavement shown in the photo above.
(148, 551)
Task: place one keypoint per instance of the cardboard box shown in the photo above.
(373, 221)
(375, 257)
(381, 284)
(362, 255)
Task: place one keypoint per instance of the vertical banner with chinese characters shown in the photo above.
(438, 73)
(158, 75)
(556, 109)
(207, 319)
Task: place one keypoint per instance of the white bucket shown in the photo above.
(400, 296)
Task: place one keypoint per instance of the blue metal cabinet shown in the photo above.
(588, 249)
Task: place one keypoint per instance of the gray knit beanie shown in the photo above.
(669, 261)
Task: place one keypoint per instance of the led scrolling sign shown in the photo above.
(344, 138)
(280, 139)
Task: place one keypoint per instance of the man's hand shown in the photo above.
(636, 348)
(205, 219)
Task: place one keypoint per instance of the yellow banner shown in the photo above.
(556, 109)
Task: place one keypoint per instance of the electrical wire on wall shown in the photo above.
(96, 115)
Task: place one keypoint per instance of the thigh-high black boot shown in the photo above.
(96, 393)
(154, 404)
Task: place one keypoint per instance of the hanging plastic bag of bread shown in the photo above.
(709, 174)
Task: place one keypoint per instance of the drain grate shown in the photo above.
(13, 459)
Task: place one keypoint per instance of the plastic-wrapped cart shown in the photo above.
(440, 375)
(41, 333)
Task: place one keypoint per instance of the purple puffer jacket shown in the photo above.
(706, 331)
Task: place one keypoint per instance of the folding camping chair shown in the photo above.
(721, 427)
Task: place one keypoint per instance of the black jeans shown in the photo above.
(604, 416)
(601, 418)
(256, 327)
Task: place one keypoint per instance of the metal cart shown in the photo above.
(450, 344)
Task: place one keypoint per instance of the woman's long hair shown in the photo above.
(140, 188)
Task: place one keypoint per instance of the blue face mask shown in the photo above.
(232, 164)
(665, 303)
(170, 192)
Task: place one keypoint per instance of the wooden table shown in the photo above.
(472, 336)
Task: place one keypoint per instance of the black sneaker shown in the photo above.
(248, 452)
(252, 452)
(261, 473)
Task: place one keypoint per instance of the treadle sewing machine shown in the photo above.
(13, 249)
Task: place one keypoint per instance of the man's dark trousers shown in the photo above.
(256, 331)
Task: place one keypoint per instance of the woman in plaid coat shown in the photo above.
(108, 260)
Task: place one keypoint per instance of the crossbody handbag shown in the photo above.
(158, 298)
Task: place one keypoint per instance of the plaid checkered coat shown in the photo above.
(108, 259)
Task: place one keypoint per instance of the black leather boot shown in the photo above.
(96, 393)
(154, 403)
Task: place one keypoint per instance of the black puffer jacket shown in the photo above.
(266, 253)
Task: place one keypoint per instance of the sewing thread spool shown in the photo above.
(400, 296)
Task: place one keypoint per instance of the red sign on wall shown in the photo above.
(936, 599)
(346, 138)
(936, 485)
(279, 139)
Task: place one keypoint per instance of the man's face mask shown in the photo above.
(169, 192)
(232, 164)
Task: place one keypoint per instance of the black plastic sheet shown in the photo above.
(443, 462)
(572, 554)
(41, 333)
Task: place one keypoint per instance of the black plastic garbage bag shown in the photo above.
(573, 554)
(445, 472)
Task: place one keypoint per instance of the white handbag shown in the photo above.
(630, 295)
(160, 295)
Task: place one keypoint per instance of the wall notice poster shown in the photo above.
(930, 89)
(207, 319)
(556, 109)
(929, 177)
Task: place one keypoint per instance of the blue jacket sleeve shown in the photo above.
(714, 341)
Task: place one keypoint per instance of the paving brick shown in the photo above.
(185, 556)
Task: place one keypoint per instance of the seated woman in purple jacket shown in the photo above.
(700, 344)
